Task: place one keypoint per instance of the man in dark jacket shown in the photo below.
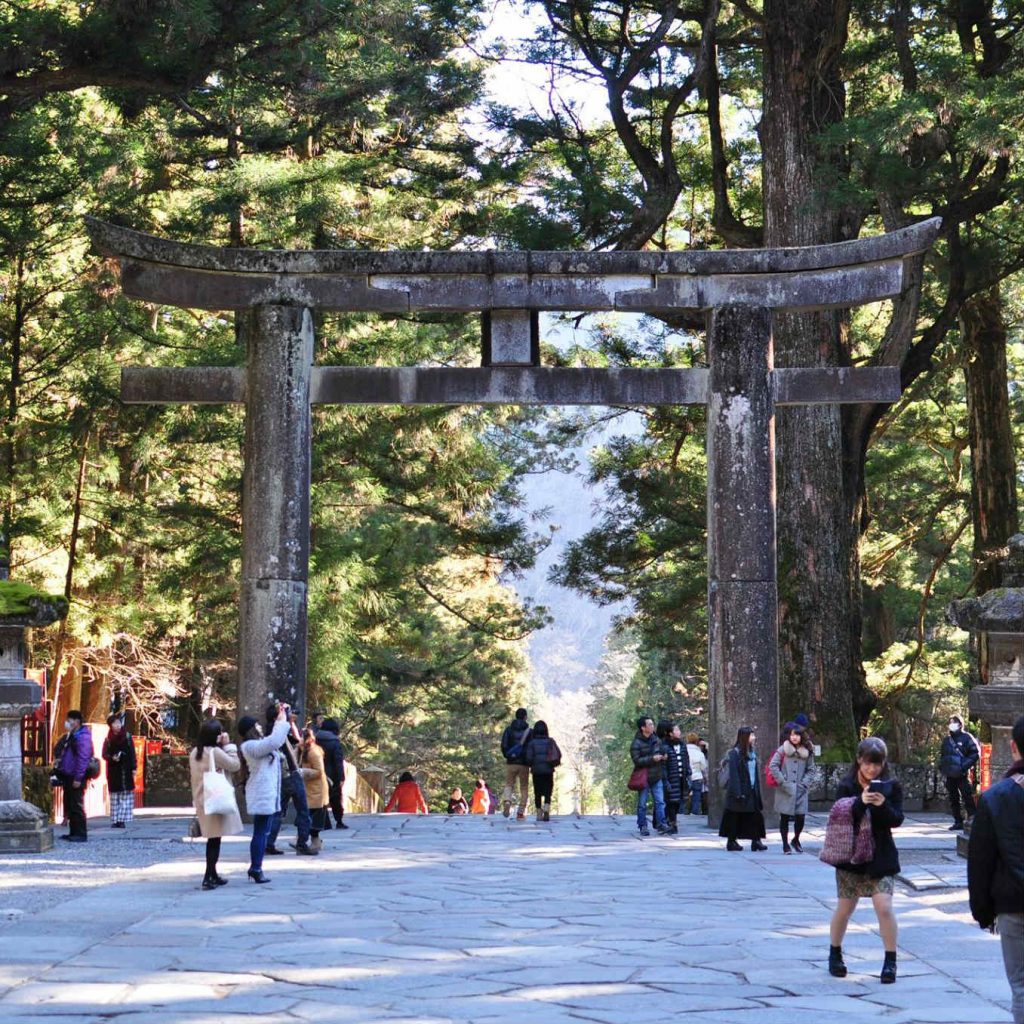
(517, 772)
(334, 765)
(958, 755)
(293, 790)
(995, 867)
(75, 752)
(645, 752)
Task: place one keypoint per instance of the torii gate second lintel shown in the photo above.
(737, 288)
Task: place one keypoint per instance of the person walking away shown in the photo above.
(542, 758)
(293, 789)
(481, 800)
(517, 772)
(261, 765)
(457, 803)
(995, 867)
(213, 745)
(645, 752)
(677, 773)
(119, 752)
(334, 763)
(880, 796)
(72, 770)
(789, 766)
(698, 772)
(407, 797)
(957, 756)
(314, 774)
(744, 807)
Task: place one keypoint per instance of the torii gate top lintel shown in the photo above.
(205, 277)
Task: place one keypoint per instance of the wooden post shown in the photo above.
(742, 592)
(275, 509)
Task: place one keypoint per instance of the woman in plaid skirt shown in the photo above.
(119, 754)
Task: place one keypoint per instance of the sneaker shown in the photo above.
(645, 831)
(506, 808)
(521, 816)
(273, 851)
(342, 824)
(74, 839)
(306, 850)
(662, 830)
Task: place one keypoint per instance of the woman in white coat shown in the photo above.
(261, 766)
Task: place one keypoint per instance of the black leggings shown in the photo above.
(212, 856)
(542, 787)
(798, 825)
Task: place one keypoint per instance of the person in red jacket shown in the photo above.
(407, 797)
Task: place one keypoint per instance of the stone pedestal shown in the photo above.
(24, 828)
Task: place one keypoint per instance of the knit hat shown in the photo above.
(802, 720)
(246, 724)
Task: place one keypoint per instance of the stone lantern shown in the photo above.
(24, 828)
(996, 623)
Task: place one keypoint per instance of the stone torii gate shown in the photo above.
(276, 291)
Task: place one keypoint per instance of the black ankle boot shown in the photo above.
(836, 967)
(888, 975)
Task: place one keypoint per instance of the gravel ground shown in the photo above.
(37, 881)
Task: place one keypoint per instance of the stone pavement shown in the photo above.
(438, 919)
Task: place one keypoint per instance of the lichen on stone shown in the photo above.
(20, 599)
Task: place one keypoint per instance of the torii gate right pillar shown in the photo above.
(743, 666)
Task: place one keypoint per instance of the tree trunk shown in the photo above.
(819, 613)
(994, 510)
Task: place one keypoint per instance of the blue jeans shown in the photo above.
(294, 789)
(258, 843)
(657, 790)
(696, 789)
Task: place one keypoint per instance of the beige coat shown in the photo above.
(317, 784)
(225, 760)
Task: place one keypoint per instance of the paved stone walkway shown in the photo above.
(438, 919)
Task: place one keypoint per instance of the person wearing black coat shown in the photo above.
(645, 752)
(543, 757)
(743, 817)
(334, 765)
(876, 877)
(995, 867)
(677, 772)
(957, 756)
(119, 754)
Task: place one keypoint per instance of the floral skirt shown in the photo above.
(851, 885)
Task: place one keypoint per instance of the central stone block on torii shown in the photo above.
(275, 292)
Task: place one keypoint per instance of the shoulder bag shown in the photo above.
(218, 793)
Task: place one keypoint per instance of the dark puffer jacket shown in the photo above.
(883, 820)
(642, 751)
(995, 858)
(958, 755)
(517, 731)
(741, 796)
(334, 755)
(677, 769)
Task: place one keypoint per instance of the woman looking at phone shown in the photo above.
(880, 796)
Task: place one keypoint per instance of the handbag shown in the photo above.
(218, 793)
(769, 779)
(638, 780)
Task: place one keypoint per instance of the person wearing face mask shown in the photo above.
(957, 756)
(261, 766)
(119, 754)
(75, 749)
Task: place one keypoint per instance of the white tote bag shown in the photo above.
(218, 793)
